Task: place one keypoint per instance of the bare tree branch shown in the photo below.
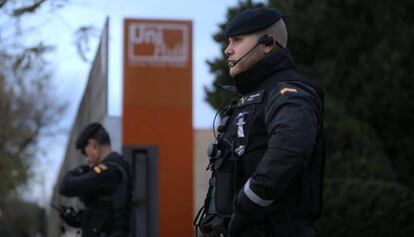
(28, 9)
(82, 40)
(2, 2)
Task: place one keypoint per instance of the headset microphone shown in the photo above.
(266, 40)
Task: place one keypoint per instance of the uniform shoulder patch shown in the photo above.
(97, 170)
(287, 89)
(100, 168)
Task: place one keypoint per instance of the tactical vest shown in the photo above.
(110, 213)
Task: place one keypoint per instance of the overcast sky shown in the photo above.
(70, 72)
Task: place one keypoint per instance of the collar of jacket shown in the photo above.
(275, 62)
(111, 156)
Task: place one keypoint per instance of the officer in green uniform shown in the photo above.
(103, 185)
(267, 164)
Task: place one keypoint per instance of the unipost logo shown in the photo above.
(161, 44)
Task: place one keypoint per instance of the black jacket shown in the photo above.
(274, 138)
(105, 191)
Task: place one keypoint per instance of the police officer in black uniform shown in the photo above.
(103, 185)
(267, 164)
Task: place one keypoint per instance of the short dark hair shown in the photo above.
(102, 137)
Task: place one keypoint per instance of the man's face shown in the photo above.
(238, 46)
(91, 152)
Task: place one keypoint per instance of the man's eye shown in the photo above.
(235, 40)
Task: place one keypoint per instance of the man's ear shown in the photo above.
(269, 48)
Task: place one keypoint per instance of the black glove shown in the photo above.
(71, 216)
(213, 225)
(245, 213)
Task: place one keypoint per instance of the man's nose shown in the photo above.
(228, 51)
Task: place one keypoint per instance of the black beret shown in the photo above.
(88, 132)
(252, 20)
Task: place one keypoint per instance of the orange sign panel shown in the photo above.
(157, 110)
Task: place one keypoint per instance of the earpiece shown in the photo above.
(267, 40)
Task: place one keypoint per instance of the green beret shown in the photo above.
(87, 133)
(252, 20)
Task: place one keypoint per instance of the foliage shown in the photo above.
(361, 208)
(353, 148)
(19, 218)
(28, 106)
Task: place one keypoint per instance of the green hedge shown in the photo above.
(367, 208)
(354, 149)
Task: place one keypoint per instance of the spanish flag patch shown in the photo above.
(98, 169)
(286, 89)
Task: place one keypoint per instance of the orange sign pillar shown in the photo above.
(157, 110)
